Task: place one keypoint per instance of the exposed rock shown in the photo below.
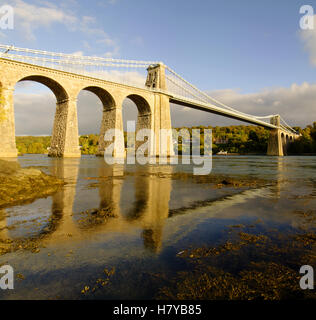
(18, 185)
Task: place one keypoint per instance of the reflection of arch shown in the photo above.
(110, 187)
(62, 220)
(140, 205)
(59, 92)
(151, 206)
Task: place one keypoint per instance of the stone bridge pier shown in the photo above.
(7, 128)
(153, 109)
(279, 139)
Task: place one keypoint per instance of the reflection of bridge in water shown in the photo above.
(148, 211)
(139, 198)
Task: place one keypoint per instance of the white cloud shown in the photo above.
(34, 113)
(128, 77)
(295, 104)
(309, 40)
(78, 53)
(88, 27)
(30, 17)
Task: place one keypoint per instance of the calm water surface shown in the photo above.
(155, 218)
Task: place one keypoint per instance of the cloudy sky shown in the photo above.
(251, 55)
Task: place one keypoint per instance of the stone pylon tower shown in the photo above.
(156, 80)
(275, 147)
(279, 139)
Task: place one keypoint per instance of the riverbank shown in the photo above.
(19, 185)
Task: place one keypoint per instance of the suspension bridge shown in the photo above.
(151, 85)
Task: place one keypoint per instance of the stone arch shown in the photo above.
(283, 138)
(58, 90)
(64, 142)
(108, 113)
(141, 104)
(106, 98)
(285, 142)
(144, 119)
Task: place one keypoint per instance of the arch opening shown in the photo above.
(93, 106)
(135, 108)
(105, 97)
(59, 92)
(141, 104)
(35, 100)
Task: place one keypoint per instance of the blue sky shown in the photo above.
(244, 47)
(215, 44)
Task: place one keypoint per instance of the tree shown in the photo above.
(313, 132)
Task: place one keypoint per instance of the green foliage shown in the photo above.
(89, 143)
(306, 143)
(233, 139)
(30, 144)
(40, 145)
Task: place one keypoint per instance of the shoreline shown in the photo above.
(21, 185)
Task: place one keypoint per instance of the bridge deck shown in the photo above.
(219, 111)
(184, 101)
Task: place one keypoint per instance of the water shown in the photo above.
(156, 217)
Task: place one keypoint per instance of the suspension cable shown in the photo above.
(62, 59)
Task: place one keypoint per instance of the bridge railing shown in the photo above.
(127, 72)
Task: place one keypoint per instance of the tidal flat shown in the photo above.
(159, 232)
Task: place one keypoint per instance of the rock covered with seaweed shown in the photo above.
(18, 185)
